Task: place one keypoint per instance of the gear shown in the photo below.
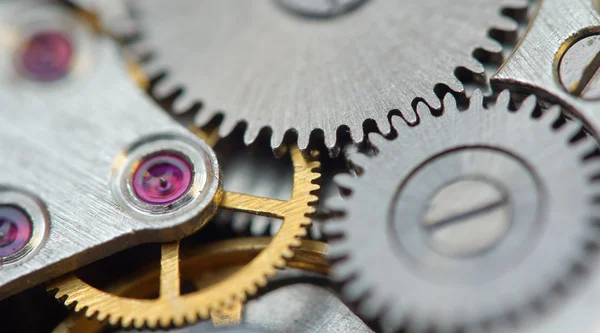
(173, 308)
(269, 65)
(202, 266)
(465, 221)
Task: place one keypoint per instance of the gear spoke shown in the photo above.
(169, 270)
(247, 203)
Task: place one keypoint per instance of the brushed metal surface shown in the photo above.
(60, 141)
(532, 67)
(255, 62)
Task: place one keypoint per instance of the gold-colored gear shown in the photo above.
(172, 308)
(200, 264)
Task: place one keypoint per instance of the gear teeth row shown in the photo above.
(371, 304)
(168, 86)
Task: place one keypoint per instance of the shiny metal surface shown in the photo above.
(255, 62)
(388, 261)
(533, 66)
(61, 141)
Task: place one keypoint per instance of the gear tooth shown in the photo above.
(166, 321)
(330, 139)
(191, 317)
(227, 126)
(360, 160)
(287, 253)
(505, 24)
(334, 228)
(338, 249)
(450, 103)
(400, 124)
(279, 263)
(155, 69)
(354, 289)
(455, 84)
(179, 321)
(491, 45)
(203, 313)
(114, 321)
(277, 138)
(476, 100)
(344, 180)
(336, 204)
(528, 106)
(377, 140)
(370, 307)
(203, 117)
(262, 282)
(183, 103)
(101, 316)
(394, 317)
(503, 100)
(474, 66)
(571, 128)
(424, 112)
(302, 233)
(432, 100)
(585, 147)
(384, 126)
(252, 289)
(250, 134)
(550, 115)
(303, 140)
(515, 4)
(162, 89)
(343, 269)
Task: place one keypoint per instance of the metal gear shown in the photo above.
(203, 265)
(465, 221)
(270, 66)
(172, 308)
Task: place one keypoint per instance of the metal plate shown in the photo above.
(60, 142)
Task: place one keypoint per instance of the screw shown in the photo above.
(579, 66)
(320, 8)
(467, 217)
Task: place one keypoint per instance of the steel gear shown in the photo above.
(172, 308)
(269, 65)
(465, 221)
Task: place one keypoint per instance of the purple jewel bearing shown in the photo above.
(174, 175)
(162, 178)
(15, 230)
(46, 56)
(24, 225)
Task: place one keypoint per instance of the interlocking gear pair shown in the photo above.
(327, 81)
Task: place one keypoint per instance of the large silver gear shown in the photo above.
(256, 61)
(527, 223)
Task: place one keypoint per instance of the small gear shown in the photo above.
(303, 66)
(465, 221)
(173, 308)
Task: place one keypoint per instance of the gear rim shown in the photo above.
(419, 309)
(198, 305)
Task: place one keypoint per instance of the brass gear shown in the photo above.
(200, 262)
(172, 308)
